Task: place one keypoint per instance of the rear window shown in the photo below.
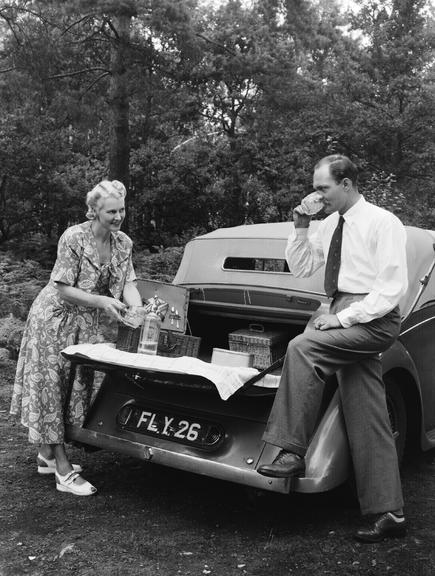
(257, 264)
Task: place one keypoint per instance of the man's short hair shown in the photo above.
(340, 167)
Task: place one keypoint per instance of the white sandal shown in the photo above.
(46, 466)
(68, 483)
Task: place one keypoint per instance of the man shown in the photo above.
(365, 275)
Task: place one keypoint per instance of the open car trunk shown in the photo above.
(235, 278)
(216, 312)
(179, 420)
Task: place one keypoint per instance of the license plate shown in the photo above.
(170, 426)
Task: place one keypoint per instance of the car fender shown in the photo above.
(397, 357)
(328, 458)
(398, 362)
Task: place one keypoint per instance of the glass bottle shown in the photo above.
(149, 334)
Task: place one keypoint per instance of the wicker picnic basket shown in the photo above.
(175, 344)
(266, 345)
(173, 341)
(170, 343)
(128, 338)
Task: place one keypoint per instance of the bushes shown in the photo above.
(11, 332)
(161, 266)
(36, 249)
(20, 283)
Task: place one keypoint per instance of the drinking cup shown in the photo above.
(134, 316)
(312, 204)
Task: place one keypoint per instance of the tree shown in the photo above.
(212, 116)
(390, 100)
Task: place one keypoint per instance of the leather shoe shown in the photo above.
(386, 526)
(285, 465)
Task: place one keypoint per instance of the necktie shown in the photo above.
(334, 259)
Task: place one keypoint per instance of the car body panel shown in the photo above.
(418, 339)
(222, 297)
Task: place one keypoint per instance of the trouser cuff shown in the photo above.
(285, 445)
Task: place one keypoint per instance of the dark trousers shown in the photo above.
(353, 354)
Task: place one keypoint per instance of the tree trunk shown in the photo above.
(119, 152)
(4, 224)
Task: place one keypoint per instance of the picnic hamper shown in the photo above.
(175, 344)
(170, 343)
(173, 341)
(128, 338)
(266, 345)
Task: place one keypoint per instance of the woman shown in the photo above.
(92, 273)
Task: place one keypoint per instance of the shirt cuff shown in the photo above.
(301, 232)
(345, 318)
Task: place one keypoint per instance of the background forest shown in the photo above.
(212, 114)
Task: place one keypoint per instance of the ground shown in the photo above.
(148, 520)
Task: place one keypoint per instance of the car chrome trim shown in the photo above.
(253, 287)
(238, 270)
(199, 465)
(423, 285)
(180, 461)
(416, 325)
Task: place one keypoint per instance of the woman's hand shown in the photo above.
(131, 295)
(112, 306)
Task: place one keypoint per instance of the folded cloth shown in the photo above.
(227, 379)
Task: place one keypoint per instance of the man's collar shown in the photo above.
(354, 210)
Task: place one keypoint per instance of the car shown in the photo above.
(237, 282)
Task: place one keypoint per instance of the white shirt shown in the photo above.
(373, 259)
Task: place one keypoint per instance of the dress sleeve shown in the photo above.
(69, 255)
(121, 266)
(130, 275)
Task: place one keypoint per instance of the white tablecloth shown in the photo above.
(227, 379)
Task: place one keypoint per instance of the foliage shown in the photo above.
(20, 283)
(161, 266)
(213, 115)
(11, 332)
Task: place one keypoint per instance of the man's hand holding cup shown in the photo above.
(310, 205)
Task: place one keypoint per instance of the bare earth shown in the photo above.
(147, 520)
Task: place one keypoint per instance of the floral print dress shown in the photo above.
(53, 324)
